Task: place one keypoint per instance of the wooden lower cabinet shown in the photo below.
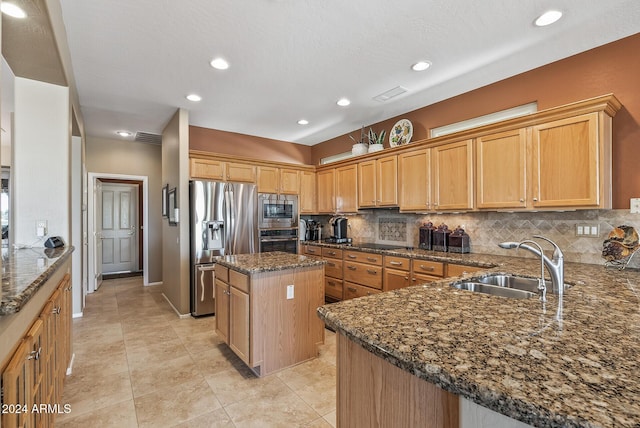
(372, 392)
(265, 328)
(394, 279)
(35, 373)
(459, 270)
(353, 290)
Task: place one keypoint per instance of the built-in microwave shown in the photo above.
(277, 211)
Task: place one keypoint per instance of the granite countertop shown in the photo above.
(25, 271)
(577, 367)
(267, 262)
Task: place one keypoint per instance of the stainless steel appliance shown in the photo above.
(279, 240)
(277, 211)
(313, 231)
(223, 221)
(339, 225)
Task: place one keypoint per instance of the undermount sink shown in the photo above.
(516, 287)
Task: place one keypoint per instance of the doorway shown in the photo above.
(121, 202)
(121, 227)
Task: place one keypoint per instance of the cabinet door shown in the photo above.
(15, 387)
(48, 359)
(387, 181)
(239, 324)
(501, 170)
(367, 193)
(352, 291)
(222, 310)
(566, 162)
(308, 201)
(207, 169)
(394, 279)
(289, 181)
(414, 180)
(347, 189)
(241, 172)
(326, 191)
(268, 181)
(453, 176)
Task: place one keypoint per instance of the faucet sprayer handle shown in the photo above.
(557, 252)
(508, 245)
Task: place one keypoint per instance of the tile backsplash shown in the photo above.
(488, 229)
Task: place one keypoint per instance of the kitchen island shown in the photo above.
(266, 308)
(519, 358)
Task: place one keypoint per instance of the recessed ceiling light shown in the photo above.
(421, 66)
(343, 102)
(12, 10)
(194, 97)
(303, 122)
(219, 64)
(548, 18)
(124, 133)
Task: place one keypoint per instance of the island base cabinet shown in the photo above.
(374, 393)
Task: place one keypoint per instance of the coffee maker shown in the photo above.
(339, 225)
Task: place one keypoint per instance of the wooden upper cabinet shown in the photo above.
(567, 156)
(307, 202)
(207, 169)
(346, 192)
(414, 180)
(326, 191)
(452, 166)
(378, 182)
(501, 170)
(278, 180)
(241, 172)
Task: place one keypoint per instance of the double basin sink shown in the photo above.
(515, 287)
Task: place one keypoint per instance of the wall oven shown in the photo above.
(279, 240)
(277, 211)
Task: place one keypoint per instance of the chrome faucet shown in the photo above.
(555, 265)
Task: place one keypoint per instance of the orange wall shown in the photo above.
(612, 68)
(231, 143)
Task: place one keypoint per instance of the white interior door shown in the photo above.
(97, 231)
(119, 231)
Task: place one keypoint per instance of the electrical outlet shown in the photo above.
(289, 291)
(588, 230)
(635, 206)
(41, 228)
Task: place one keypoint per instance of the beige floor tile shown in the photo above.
(331, 418)
(170, 374)
(189, 326)
(119, 415)
(216, 419)
(240, 384)
(217, 360)
(92, 391)
(149, 335)
(201, 342)
(141, 356)
(180, 403)
(87, 364)
(283, 409)
(314, 382)
(318, 423)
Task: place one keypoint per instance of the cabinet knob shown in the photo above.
(535, 199)
(521, 199)
(372, 272)
(406, 278)
(351, 267)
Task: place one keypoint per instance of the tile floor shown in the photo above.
(138, 365)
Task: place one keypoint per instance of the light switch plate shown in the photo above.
(635, 206)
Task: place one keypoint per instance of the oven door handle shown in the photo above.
(278, 239)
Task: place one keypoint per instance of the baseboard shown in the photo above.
(70, 368)
(153, 283)
(78, 315)
(181, 316)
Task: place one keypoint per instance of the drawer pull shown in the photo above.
(352, 267)
(331, 253)
(331, 264)
(351, 256)
(372, 259)
(372, 272)
(429, 268)
(310, 250)
(395, 263)
(406, 278)
(331, 283)
(353, 290)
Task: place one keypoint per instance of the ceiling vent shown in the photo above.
(146, 137)
(386, 96)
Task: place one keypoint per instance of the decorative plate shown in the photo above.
(401, 133)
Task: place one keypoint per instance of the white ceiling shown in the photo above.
(135, 61)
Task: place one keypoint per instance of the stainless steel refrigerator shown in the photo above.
(223, 222)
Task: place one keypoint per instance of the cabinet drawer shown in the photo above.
(312, 250)
(394, 279)
(364, 274)
(352, 291)
(333, 268)
(239, 280)
(458, 270)
(333, 288)
(362, 257)
(427, 267)
(333, 253)
(417, 279)
(222, 273)
(400, 263)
